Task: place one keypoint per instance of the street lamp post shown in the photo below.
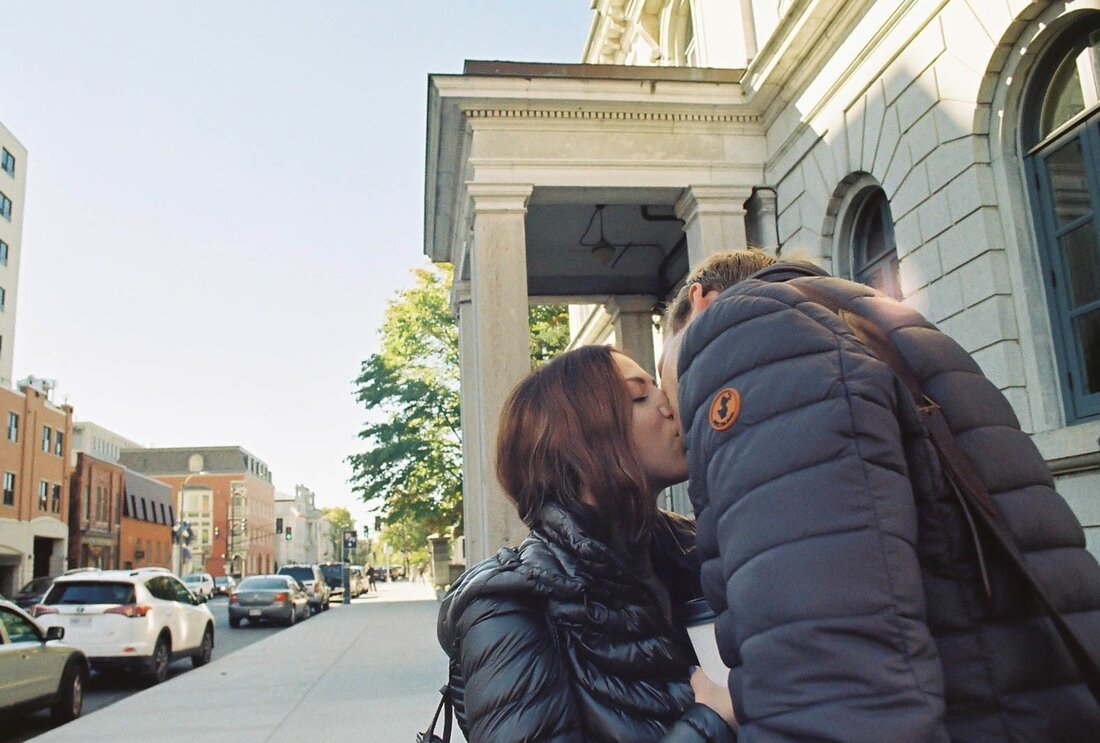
(177, 548)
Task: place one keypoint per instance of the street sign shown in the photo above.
(351, 540)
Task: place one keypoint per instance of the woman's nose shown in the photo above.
(664, 407)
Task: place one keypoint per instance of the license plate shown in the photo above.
(80, 621)
(255, 612)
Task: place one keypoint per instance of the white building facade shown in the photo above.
(13, 183)
(301, 531)
(944, 151)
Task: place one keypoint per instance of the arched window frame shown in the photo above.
(1082, 131)
(863, 201)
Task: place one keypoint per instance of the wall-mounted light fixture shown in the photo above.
(604, 251)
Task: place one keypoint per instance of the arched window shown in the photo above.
(874, 253)
(1061, 139)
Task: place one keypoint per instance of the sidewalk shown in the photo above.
(369, 671)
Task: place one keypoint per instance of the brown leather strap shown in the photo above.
(964, 479)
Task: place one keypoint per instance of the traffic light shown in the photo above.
(366, 531)
(244, 523)
(217, 532)
(287, 533)
(378, 523)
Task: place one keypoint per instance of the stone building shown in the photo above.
(13, 186)
(34, 491)
(946, 152)
(299, 531)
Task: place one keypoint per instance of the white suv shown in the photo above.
(135, 619)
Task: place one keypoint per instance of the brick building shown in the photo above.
(226, 496)
(34, 476)
(96, 492)
(145, 533)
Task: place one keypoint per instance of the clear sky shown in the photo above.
(222, 197)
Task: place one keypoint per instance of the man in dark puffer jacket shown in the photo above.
(845, 574)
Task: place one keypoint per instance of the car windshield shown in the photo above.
(38, 585)
(260, 584)
(333, 572)
(192, 579)
(88, 592)
(301, 572)
(221, 580)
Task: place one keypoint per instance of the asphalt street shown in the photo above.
(105, 689)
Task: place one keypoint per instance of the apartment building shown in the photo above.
(34, 497)
(945, 152)
(226, 498)
(13, 181)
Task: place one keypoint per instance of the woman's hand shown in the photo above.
(714, 696)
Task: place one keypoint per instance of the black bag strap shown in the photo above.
(429, 736)
(961, 474)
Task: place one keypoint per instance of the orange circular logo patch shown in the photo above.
(724, 409)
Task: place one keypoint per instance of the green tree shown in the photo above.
(412, 461)
(341, 520)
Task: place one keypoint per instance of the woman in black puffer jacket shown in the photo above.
(573, 635)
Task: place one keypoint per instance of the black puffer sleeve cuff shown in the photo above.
(700, 724)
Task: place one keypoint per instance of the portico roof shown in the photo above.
(578, 136)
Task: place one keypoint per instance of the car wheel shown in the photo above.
(205, 650)
(234, 622)
(293, 616)
(158, 662)
(70, 694)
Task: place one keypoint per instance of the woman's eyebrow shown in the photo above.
(644, 381)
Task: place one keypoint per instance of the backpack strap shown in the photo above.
(964, 479)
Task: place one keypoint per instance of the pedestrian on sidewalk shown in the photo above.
(573, 635)
(868, 499)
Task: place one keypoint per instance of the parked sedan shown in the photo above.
(36, 670)
(224, 585)
(268, 597)
(32, 592)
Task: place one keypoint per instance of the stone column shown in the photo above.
(633, 321)
(495, 357)
(439, 551)
(714, 219)
(473, 510)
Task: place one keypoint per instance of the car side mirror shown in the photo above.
(55, 633)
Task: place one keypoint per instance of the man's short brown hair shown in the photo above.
(717, 273)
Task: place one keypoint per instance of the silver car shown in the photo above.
(36, 670)
(268, 597)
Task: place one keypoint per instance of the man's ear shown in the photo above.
(699, 299)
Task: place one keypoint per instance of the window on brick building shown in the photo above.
(55, 499)
(1061, 138)
(59, 444)
(43, 495)
(9, 488)
(13, 426)
(47, 434)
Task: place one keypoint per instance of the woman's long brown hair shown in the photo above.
(564, 433)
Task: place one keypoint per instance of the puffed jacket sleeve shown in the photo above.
(700, 724)
(806, 524)
(516, 685)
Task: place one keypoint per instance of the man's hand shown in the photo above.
(714, 696)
